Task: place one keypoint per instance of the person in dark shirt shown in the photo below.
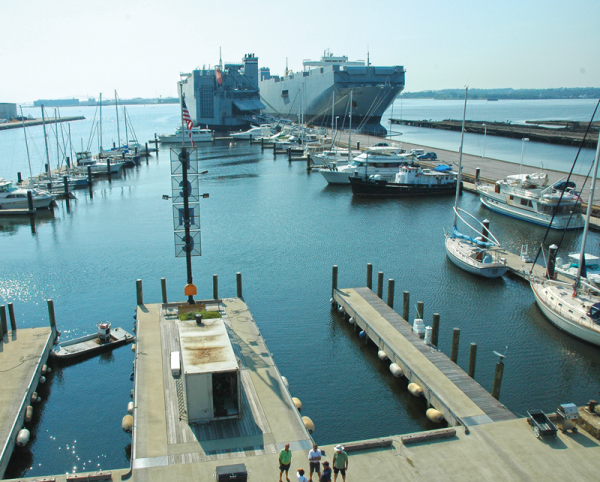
(326, 474)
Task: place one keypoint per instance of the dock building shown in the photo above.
(8, 111)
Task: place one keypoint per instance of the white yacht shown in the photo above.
(527, 197)
(13, 197)
(255, 132)
(570, 267)
(198, 135)
(97, 166)
(384, 162)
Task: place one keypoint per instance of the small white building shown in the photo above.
(211, 371)
(8, 111)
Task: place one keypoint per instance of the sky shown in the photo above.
(55, 49)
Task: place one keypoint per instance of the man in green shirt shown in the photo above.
(285, 460)
(340, 462)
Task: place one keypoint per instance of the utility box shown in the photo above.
(176, 364)
(230, 473)
(211, 372)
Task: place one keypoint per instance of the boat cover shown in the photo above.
(249, 105)
(457, 234)
(442, 168)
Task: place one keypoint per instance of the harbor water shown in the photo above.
(283, 229)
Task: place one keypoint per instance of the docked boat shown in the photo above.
(97, 166)
(197, 134)
(255, 132)
(570, 267)
(103, 339)
(13, 197)
(529, 198)
(410, 180)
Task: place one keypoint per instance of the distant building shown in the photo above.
(56, 103)
(8, 111)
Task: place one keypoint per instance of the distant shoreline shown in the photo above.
(583, 93)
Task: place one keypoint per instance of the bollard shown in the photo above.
(405, 305)
(551, 261)
(289, 152)
(68, 162)
(215, 286)
(4, 324)
(477, 172)
(30, 201)
(19, 178)
(334, 276)
(380, 284)
(89, 173)
(66, 183)
(275, 149)
(420, 310)
(485, 231)
(163, 287)
(435, 329)
(369, 276)
(147, 153)
(238, 277)
(498, 380)
(262, 143)
(455, 339)
(472, 359)
(51, 314)
(358, 146)
(139, 291)
(11, 314)
(390, 300)
(108, 167)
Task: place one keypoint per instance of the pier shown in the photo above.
(38, 122)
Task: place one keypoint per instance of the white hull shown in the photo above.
(341, 176)
(39, 202)
(565, 313)
(460, 251)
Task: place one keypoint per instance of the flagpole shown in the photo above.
(181, 105)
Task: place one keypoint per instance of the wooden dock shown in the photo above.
(445, 385)
(38, 122)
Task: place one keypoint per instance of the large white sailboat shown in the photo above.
(476, 255)
(574, 308)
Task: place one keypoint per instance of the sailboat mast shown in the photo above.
(118, 128)
(332, 116)
(462, 137)
(350, 131)
(126, 130)
(26, 144)
(588, 214)
(46, 142)
(100, 136)
(57, 146)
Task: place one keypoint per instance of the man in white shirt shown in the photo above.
(314, 458)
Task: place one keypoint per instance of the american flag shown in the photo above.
(188, 119)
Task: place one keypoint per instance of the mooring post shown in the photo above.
(147, 153)
(551, 261)
(68, 162)
(485, 231)
(477, 173)
(139, 291)
(420, 310)
(163, 287)
(238, 278)
(369, 276)
(3, 324)
(289, 152)
(66, 183)
(19, 178)
(11, 314)
(89, 173)
(405, 305)
(472, 359)
(358, 146)
(215, 286)
(380, 284)
(455, 339)
(30, 201)
(435, 329)
(262, 143)
(51, 314)
(498, 380)
(108, 167)
(275, 149)
(390, 300)
(334, 277)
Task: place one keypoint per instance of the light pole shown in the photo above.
(484, 134)
(525, 139)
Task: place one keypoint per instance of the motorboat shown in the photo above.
(570, 267)
(103, 339)
(529, 198)
(97, 166)
(197, 135)
(13, 197)
(255, 132)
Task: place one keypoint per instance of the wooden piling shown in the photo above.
(139, 291)
(390, 300)
(472, 359)
(89, 175)
(51, 314)
(19, 178)
(477, 174)
(108, 167)
(238, 278)
(334, 279)
(380, 284)
(435, 329)
(405, 305)
(420, 310)
(163, 287)
(215, 286)
(66, 184)
(369, 276)
(3, 324)
(455, 340)
(30, 201)
(485, 230)
(498, 380)
(11, 314)
(147, 152)
(551, 261)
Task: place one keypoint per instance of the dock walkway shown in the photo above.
(445, 385)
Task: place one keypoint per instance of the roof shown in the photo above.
(206, 348)
(249, 104)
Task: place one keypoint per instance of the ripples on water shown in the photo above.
(283, 229)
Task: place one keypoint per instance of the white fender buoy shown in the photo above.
(351, 320)
(133, 348)
(23, 437)
(298, 403)
(435, 415)
(285, 381)
(130, 408)
(382, 355)
(340, 308)
(42, 379)
(131, 393)
(44, 369)
(308, 423)
(415, 389)
(28, 413)
(396, 370)
(127, 423)
(332, 301)
(34, 397)
(48, 370)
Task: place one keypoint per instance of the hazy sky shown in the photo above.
(65, 48)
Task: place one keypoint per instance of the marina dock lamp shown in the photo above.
(484, 134)
(525, 139)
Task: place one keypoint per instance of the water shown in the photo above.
(283, 229)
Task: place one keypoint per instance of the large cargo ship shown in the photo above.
(325, 85)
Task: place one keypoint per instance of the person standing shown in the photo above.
(285, 460)
(314, 459)
(300, 476)
(326, 475)
(340, 462)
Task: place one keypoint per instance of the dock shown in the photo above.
(38, 122)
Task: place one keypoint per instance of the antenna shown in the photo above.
(501, 355)
(220, 59)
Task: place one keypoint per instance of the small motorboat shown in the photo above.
(103, 339)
